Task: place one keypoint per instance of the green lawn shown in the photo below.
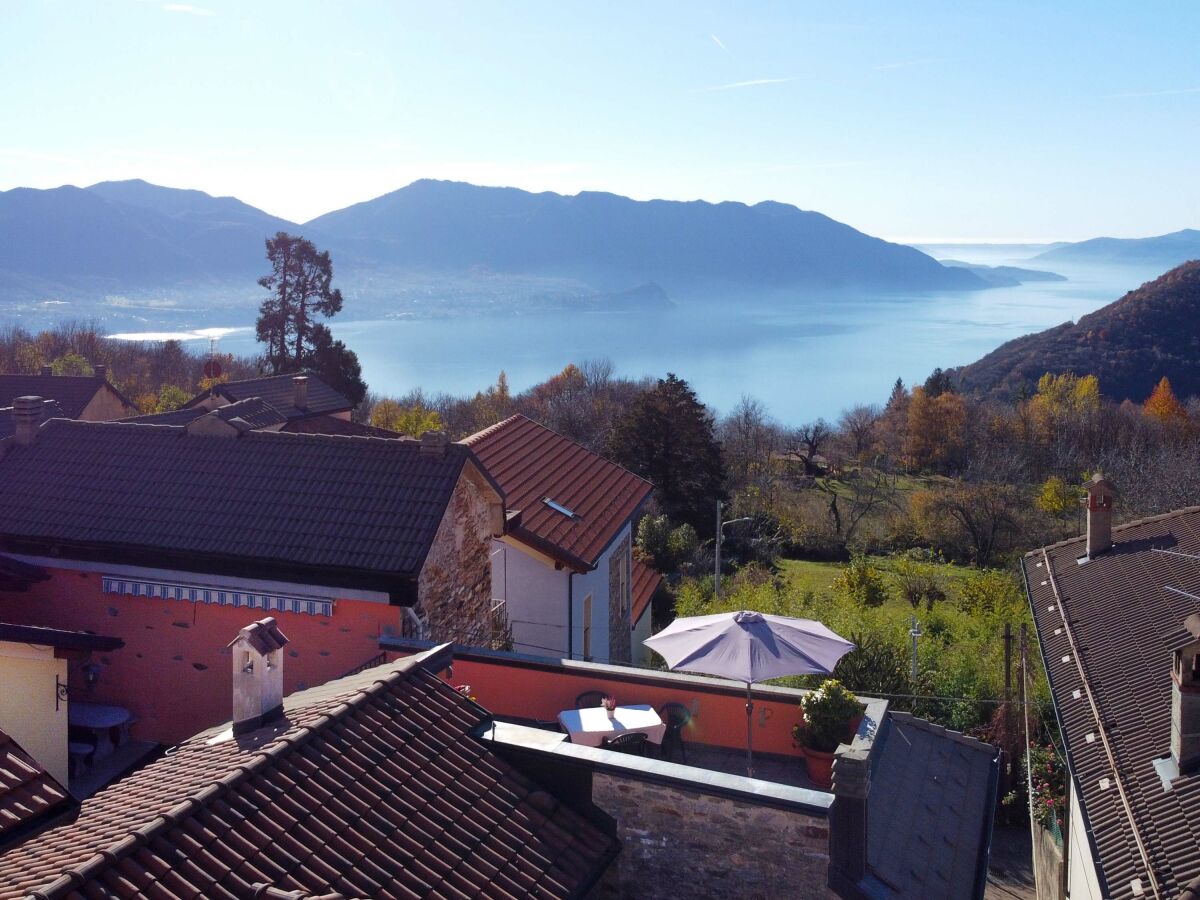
(802, 575)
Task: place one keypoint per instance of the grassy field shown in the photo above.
(801, 575)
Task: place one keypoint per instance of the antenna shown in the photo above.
(212, 368)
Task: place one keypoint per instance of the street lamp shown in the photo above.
(717, 549)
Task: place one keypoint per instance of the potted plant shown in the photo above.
(831, 714)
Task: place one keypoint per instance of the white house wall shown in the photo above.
(1082, 882)
(535, 595)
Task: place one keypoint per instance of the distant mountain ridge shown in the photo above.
(1166, 250)
(615, 240)
(1129, 345)
(120, 235)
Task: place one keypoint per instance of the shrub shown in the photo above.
(828, 712)
(862, 583)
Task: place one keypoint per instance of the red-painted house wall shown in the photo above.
(174, 672)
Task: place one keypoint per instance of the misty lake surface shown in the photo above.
(803, 355)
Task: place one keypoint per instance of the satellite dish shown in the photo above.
(212, 369)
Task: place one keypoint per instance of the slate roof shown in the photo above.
(531, 463)
(1107, 629)
(339, 511)
(8, 423)
(645, 582)
(278, 391)
(255, 412)
(334, 425)
(372, 785)
(73, 392)
(929, 811)
(28, 793)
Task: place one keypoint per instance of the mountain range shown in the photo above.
(132, 235)
(1164, 250)
(1129, 345)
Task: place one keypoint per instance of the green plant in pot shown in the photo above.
(830, 715)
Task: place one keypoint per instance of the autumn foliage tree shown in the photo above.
(1163, 406)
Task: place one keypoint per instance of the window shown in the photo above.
(559, 508)
(587, 628)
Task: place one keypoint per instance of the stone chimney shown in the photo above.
(300, 392)
(101, 371)
(848, 820)
(257, 675)
(47, 370)
(1099, 503)
(1185, 700)
(27, 416)
(434, 443)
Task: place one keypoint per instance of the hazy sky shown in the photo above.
(907, 120)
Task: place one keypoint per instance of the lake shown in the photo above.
(802, 354)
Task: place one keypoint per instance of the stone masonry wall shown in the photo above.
(455, 588)
(684, 844)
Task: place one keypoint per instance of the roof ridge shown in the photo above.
(907, 718)
(1132, 523)
(492, 429)
(239, 772)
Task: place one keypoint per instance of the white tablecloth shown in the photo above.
(592, 725)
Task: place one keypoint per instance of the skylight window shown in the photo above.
(558, 508)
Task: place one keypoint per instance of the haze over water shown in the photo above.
(802, 354)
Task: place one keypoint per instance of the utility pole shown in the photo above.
(717, 549)
(1008, 639)
(914, 632)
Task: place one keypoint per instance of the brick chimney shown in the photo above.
(47, 370)
(27, 416)
(101, 371)
(257, 675)
(1099, 503)
(300, 392)
(434, 443)
(848, 820)
(1185, 700)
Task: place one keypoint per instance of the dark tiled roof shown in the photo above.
(8, 424)
(532, 463)
(58, 638)
(255, 412)
(930, 808)
(28, 793)
(645, 582)
(279, 391)
(339, 510)
(370, 786)
(73, 392)
(1108, 636)
(334, 425)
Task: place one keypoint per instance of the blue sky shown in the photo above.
(1013, 121)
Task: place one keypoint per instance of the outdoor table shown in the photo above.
(96, 716)
(590, 726)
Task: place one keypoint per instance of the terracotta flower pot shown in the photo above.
(820, 767)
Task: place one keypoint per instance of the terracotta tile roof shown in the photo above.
(533, 464)
(8, 424)
(28, 793)
(1107, 629)
(930, 809)
(73, 392)
(263, 635)
(279, 392)
(341, 510)
(254, 411)
(370, 786)
(645, 582)
(334, 425)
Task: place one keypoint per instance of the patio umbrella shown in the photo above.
(750, 647)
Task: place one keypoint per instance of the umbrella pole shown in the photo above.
(749, 733)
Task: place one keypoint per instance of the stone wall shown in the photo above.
(455, 588)
(1049, 873)
(680, 843)
(619, 596)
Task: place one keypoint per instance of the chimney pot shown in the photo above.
(1185, 700)
(47, 370)
(1099, 503)
(300, 392)
(434, 443)
(27, 416)
(257, 675)
(101, 371)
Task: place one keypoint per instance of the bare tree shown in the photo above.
(858, 425)
(748, 439)
(809, 439)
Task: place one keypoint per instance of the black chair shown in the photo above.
(675, 716)
(588, 699)
(628, 742)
